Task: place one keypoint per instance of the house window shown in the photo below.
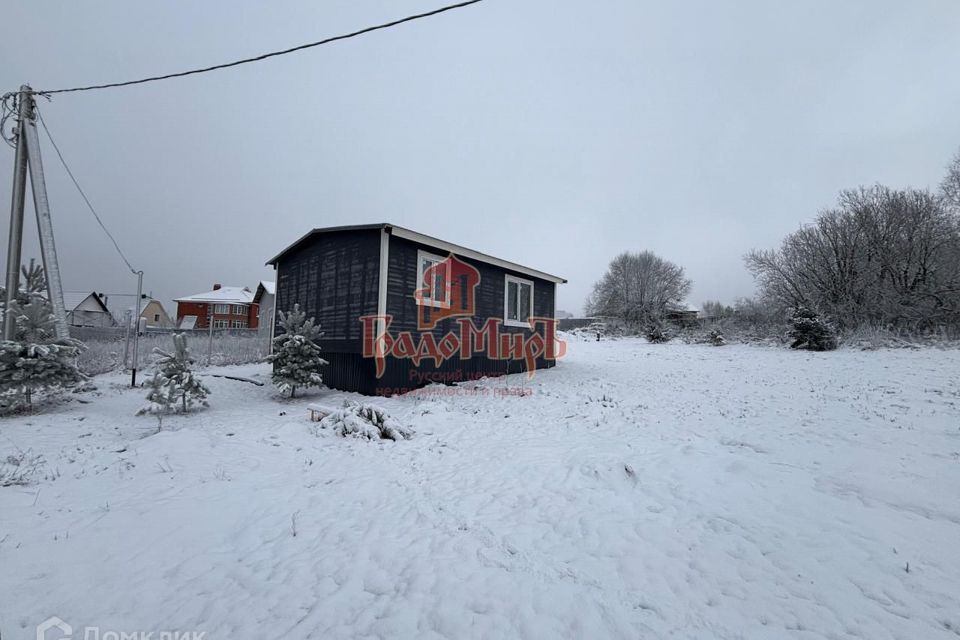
(436, 291)
(239, 324)
(239, 310)
(221, 308)
(221, 324)
(156, 317)
(517, 301)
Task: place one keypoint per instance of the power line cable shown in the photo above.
(82, 194)
(264, 56)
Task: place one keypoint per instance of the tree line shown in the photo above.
(881, 257)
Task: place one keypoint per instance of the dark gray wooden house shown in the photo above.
(400, 309)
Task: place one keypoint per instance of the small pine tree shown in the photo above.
(296, 355)
(716, 338)
(809, 331)
(36, 359)
(32, 284)
(657, 332)
(174, 388)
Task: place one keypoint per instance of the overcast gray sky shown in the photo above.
(553, 133)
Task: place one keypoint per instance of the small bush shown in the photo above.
(657, 333)
(809, 331)
(365, 421)
(716, 338)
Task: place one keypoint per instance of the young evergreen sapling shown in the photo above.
(296, 355)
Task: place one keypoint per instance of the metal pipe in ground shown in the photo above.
(136, 330)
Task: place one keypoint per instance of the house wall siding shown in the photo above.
(86, 318)
(265, 312)
(334, 278)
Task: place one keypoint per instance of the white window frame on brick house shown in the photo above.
(520, 283)
(422, 259)
(239, 310)
(221, 324)
(222, 309)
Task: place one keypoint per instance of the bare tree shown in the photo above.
(750, 312)
(638, 287)
(882, 257)
(950, 187)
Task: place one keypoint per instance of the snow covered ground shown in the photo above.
(638, 491)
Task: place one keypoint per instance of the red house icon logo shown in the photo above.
(447, 289)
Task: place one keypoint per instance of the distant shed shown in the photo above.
(682, 315)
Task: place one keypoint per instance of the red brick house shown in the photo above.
(229, 307)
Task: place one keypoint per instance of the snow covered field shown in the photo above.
(638, 491)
